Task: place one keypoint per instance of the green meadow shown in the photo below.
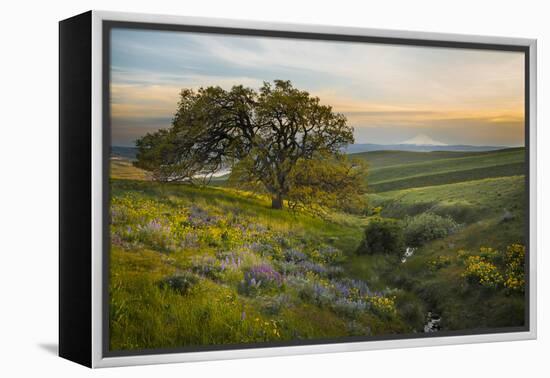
(393, 170)
(193, 266)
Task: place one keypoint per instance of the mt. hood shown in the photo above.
(423, 140)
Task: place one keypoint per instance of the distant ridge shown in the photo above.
(124, 152)
(130, 152)
(366, 147)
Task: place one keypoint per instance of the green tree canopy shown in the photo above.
(280, 139)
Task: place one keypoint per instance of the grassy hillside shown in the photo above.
(449, 177)
(392, 170)
(196, 266)
(386, 158)
(492, 214)
(212, 265)
(122, 168)
(467, 201)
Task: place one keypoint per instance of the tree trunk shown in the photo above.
(277, 201)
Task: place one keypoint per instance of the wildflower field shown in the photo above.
(201, 266)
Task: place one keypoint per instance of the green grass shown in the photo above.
(383, 159)
(480, 206)
(159, 231)
(401, 170)
(162, 230)
(233, 203)
(449, 177)
(465, 201)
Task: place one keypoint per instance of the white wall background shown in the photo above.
(28, 194)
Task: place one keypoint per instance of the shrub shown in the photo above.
(493, 269)
(206, 266)
(383, 306)
(426, 227)
(350, 308)
(259, 277)
(382, 236)
(286, 268)
(330, 255)
(515, 271)
(308, 266)
(273, 305)
(460, 211)
(311, 289)
(155, 234)
(294, 255)
(181, 282)
(439, 262)
(351, 289)
(482, 272)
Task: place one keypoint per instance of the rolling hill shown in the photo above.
(160, 229)
(393, 170)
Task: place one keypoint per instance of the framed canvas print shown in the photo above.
(238, 189)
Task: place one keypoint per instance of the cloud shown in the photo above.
(383, 87)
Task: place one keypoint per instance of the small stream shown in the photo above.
(408, 253)
(433, 322)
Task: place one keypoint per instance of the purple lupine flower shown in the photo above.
(229, 260)
(154, 225)
(200, 217)
(308, 266)
(349, 307)
(294, 255)
(256, 227)
(344, 287)
(263, 274)
(329, 254)
(206, 266)
(341, 288)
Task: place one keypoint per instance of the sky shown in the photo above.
(389, 93)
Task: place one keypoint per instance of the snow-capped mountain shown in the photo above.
(423, 140)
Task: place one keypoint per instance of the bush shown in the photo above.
(350, 308)
(382, 306)
(515, 268)
(460, 211)
(260, 277)
(481, 271)
(493, 269)
(383, 236)
(181, 283)
(439, 262)
(310, 288)
(426, 227)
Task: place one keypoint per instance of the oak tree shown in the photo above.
(280, 138)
